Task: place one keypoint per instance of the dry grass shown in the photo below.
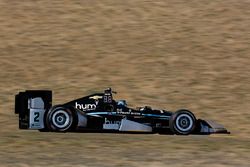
(170, 55)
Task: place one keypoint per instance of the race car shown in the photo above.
(99, 112)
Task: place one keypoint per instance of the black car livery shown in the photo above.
(100, 112)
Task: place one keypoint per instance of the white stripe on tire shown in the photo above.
(56, 118)
(179, 126)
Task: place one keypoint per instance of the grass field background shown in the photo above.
(167, 54)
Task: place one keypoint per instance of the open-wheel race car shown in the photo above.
(99, 112)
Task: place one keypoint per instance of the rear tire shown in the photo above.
(182, 122)
(61, 119)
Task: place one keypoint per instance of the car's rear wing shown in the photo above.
(31, 106)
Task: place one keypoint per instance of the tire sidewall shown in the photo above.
(173, 122)
(51, 115)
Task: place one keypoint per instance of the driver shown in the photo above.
(145, 109)
(121, 103)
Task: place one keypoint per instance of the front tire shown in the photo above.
(61, 119)
(182, 122)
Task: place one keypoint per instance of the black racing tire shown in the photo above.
(182, 122)
(61, 119)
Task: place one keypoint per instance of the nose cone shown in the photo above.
(208, 127)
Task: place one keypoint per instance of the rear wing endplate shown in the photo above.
(31, 106)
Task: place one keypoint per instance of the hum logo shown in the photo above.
(85, 107)
(112, 122)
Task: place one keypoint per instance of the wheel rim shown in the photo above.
(61, 119)
(184, 122)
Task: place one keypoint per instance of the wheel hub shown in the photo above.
(61, 119)
(184, 122)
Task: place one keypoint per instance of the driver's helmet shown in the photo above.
(146, 108)
(122, 103)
